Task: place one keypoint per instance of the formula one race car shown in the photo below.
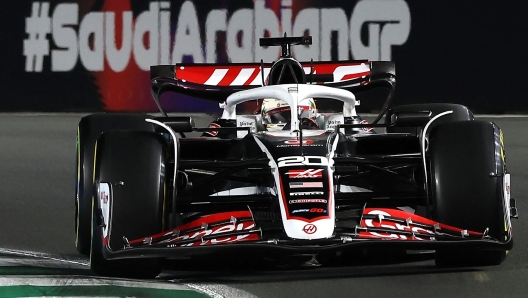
(292, 181)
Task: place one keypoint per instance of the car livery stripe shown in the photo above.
(230, 77)
(422, 141)
(217, 76)
(331, 174)
(176, 155)
(250, 74)
(258, 78)
(243, 76)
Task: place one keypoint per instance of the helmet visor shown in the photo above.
(277, 116)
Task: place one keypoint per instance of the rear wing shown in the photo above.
(217, 81)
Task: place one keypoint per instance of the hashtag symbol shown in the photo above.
(36, 46)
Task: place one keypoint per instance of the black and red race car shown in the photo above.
(418, 177)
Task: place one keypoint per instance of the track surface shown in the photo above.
(37, 168)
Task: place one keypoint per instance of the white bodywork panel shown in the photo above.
(246, 121)
(104, 197)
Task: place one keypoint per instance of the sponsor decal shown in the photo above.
(307, 193)
(306, 184)
(333, 121)
(408, 222)
(246, 123)
(367, 129)
(300, 210)
(309, 229)
(310, 173)
(290, 161)
(303, 201)
(104, 197)
(332, 124)
(104, 193)
(317, 210)
(297, 143)
(216, 230)
(213, 133)
(381, 223)
(312, 210)
(193, 233)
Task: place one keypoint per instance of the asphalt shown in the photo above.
(37, 170)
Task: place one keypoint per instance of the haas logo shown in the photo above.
(310, 173)
(309, 229)
(104, 197)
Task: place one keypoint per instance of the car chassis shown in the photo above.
(303, 191)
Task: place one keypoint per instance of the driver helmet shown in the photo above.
(277, 113)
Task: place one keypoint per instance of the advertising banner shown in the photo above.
(92, 55)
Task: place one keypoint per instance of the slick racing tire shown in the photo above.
(467, 182)
(89, 129)
(460, 113)
(132, 166)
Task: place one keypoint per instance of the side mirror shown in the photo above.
(178, 124)
(410, 119)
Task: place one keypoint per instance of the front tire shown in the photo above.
(132, 165)
(467, 182)
(89, 129)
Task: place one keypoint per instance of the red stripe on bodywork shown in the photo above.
(252, 77)
(229, 77)
(199, 74)
(354, 76)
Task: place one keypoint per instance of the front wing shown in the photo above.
(240, 231)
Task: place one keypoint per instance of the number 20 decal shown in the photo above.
(290, 161)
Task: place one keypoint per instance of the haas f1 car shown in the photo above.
(417, 177)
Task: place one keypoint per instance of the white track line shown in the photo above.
(38, 255)
(54, 261)
(220, 291)
(61, 280)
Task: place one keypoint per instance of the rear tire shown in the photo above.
(89, 129)
(133, 163)
(467, 184)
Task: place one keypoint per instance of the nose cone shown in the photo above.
(306, 196)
